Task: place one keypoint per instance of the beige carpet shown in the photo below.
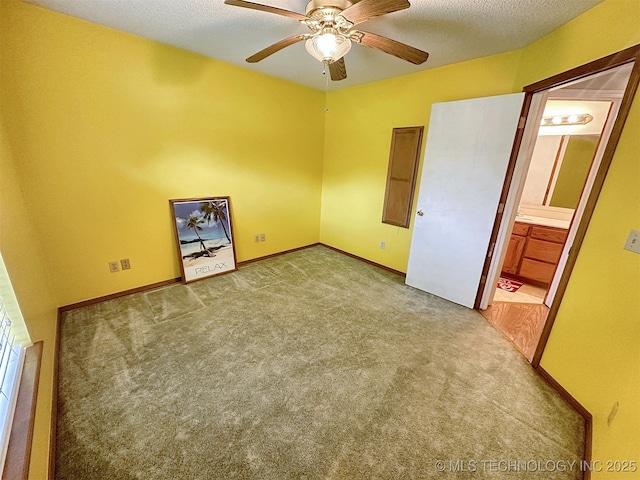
(310, 365)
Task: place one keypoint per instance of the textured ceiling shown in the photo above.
(450, 30)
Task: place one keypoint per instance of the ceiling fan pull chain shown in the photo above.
(326, 77)
(331, 23)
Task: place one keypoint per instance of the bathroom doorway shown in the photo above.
(571, 130)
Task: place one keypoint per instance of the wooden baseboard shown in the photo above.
(16, 465)
(543, 373)
(383, 267)
(257, 259)
(164, 283)
(93, 301)
(578, 407)
(111, 296)
(53, 428)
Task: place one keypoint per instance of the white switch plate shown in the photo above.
(633, 242)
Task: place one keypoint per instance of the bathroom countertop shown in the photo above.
(545, 222)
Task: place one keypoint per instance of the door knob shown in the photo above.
(420, 212)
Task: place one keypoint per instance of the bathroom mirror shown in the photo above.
(563, 153)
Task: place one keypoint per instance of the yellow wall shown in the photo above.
(100, 129)
(358, 140)
(24, 257)
(594, 349)
(118, 125)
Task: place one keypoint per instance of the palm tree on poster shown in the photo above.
(194, 222)
(215, 211)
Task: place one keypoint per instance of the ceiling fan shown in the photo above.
(332, 25)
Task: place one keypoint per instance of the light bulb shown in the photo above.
(327, 46)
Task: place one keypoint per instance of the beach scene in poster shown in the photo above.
(205, 238)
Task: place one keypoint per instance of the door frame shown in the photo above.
(631, 54)
(614, 109)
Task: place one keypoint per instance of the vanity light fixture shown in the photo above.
(566, 120)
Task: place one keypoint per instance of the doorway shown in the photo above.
(472, 181)
(572, 126)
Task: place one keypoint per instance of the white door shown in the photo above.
(468, 148)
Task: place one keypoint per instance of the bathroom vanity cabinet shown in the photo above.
(534, 251)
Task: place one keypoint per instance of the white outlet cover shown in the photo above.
(633, 242)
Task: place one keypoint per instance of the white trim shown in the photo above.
(530, 135)
(529, 138)
(8, 403)
(605, 95)
(562, 149)
(10, 302)
(577, 216)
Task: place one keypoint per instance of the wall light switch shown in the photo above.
(633, 242)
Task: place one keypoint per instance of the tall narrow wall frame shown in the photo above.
(401, 175)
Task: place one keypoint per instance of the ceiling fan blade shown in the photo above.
(392, 47)
(338, 70)
(276, 47)
(267, 8)
(366, 9)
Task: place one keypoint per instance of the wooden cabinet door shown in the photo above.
(513, 255)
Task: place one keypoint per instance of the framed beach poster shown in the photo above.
(204, 237)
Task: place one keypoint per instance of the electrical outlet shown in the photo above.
(633, 242)
(262, 237)
(383, 244)
(124, 263)
(257, 237)
(113, 267)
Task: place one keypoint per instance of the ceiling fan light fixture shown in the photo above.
(331, 23)
(328, 46)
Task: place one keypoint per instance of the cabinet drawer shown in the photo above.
(543, 251)
(535, 270)
(557, 235)
(520, 229)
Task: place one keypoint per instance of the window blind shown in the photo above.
(11, 361)
(13, 338)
